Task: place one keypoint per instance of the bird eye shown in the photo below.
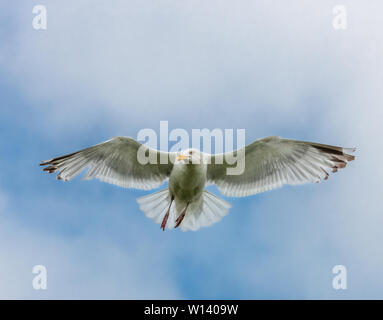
(190, 152)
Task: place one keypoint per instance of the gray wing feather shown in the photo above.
(113, 161)
(272, 162)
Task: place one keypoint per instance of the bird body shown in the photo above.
(269, 163)
(187, 179)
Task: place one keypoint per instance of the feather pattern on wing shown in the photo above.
(113, 161)
(272, 162)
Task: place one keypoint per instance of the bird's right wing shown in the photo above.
(115, 161)
(272, 162)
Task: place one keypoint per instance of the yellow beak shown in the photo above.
(181, 157)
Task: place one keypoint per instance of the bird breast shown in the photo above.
(187, 181)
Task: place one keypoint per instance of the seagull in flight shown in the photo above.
(269, 163)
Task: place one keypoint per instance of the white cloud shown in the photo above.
(86, 266)
(272, 67)
(151, 61)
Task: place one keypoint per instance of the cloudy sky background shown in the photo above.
(106, 68)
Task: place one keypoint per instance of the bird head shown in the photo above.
(189, 156)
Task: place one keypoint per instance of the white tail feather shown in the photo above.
(210, 209)
(156, 204)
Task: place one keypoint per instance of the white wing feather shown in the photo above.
(113, 161)
(272, 162)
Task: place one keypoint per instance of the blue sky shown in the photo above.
(106, 69)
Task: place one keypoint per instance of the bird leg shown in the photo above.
(181, 216)
(165, 219)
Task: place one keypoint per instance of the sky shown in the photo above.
(104, 69)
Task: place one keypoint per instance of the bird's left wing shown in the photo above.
(115, 161)
(272, 162)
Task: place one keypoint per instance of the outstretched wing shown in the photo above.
(114, 161)
(272, 162)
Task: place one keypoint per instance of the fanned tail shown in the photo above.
(209, 210)
(203, 213)
(155, 205)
